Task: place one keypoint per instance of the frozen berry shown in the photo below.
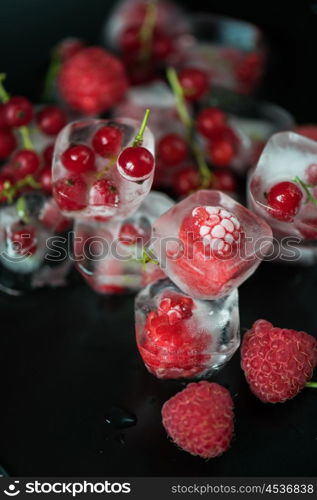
(224, 180)
(129, 234)
(107, 141)
(277, 362)
(130, 41)
(92, 81)
(51, 217)
(45, 179)
(284, 200)
(172, 149)
(311, 174)
(209, 121)
(195, 83)
(24, 241)
(51, 120)
(136, 162)
(8, 143)
(221, 153)
(199, 419)
(103, 192)
(70, 193)
(78, 159)
(248, 71)
(18, 111)
(186, 181)
(26, 162)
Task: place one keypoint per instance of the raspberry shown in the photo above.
(199, 419)
(277, 362)
(92, 80)
(172, 345)
(217, 228)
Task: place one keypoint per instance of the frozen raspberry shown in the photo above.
(92, 81)
(217, 228)
(172, 345)
(199, 419)
(277, 362)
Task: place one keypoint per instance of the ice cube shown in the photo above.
(182, 337)
(208, 244)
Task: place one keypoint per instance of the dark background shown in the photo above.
(68, 356)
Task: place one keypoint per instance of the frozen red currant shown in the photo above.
(224, 180)
(136, 162)
(221, 153)
(26, 162)
(284, 200)
(186, 181)
(103, 192)
(18, 111)
(195, 83)
(51, 120)
(209, 121)
(7, 143)
(45, 179)
(24, 241)
(70, 193)
(48, 154)
(172, 149)
(107, 141)
(311, 174)
(78, 159)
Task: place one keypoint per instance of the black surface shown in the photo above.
(68, 356)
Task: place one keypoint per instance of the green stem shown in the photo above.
(26, 138)
(147, 30)
(205, 174)
(312, 385)
(22, 210)
(306, 187)
(139, 137)
(4, 96)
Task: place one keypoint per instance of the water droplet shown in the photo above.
(118, 418)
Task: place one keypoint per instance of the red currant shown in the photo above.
(224, 181)
(26, 162)
(51, 120)
(162, 46)
(103, 192)
(78, 159)
(209, 121)
(18, 111)
(284, 201)
(195, 83)
(221, 153)
(107, 141)
(3, 122)
(186, 180)
(248, 70)
(70, 193)
(130, 40)
(45, 179)
(172, 149)
(7, 143)
(48, 154)
(136, 162)
(24, 241)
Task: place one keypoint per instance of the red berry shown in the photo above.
(92, 81)
(309, 131)
(195, 83)
(224, 181)
(48, 154)
(277, 362)
(70, 193)
(107, 141)
(103, 192)
(26, 162)
(18, 111)
(129, 234)
(249, 70)
(221, 153)
(209, 121)
(136, 162)
(3, 122)
(130, 42)
(311, 174)
(172, 149)
(199, 419)
(51, 120)
(78, 159)
(69, 47)
(24, 241)
(7, 143)
(284, 201)
(45, 179)
(51, 217)
(162, 46)
(186, 180)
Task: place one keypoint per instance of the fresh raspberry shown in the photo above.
(172, 345)
(215, 227)
(92, 81)
(199, 419)
(277, 362)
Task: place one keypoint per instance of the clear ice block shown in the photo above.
(182, 337)
(127, 194)
(33, 253)
(110, 256)
(208, 244)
